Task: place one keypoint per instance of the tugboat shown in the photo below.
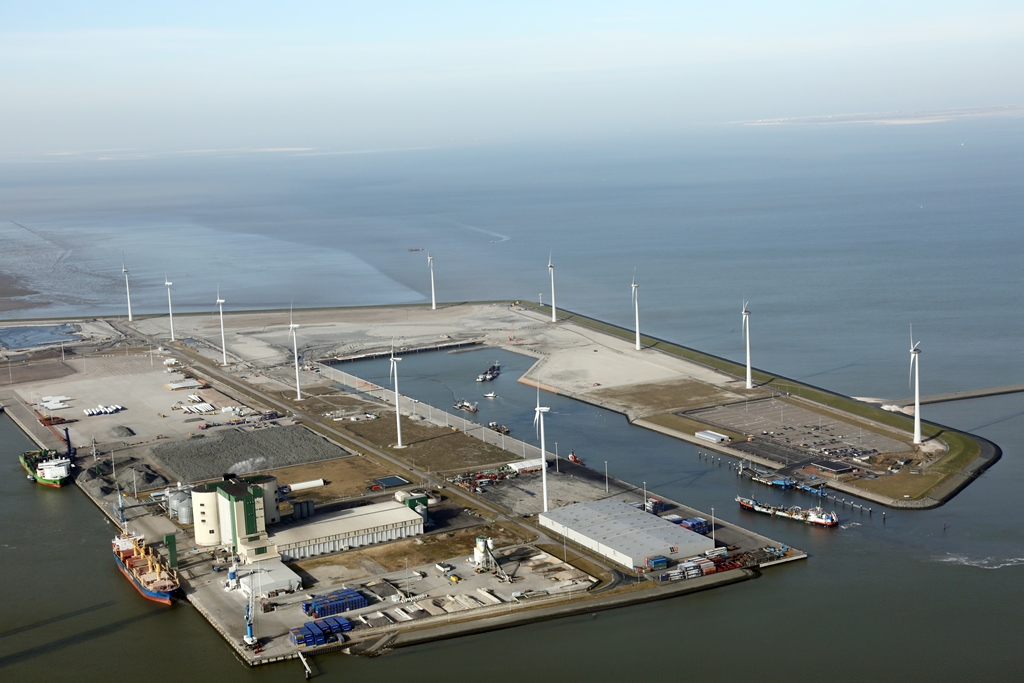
(490, 394)
(465, 405)
(815, 516)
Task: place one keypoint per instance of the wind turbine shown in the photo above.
(551, 269)
(292, 325)
(223, 343)
(746, 336)
(393, 376)
(636, 308)
(127, 289)
(538, 421)
(915, 371)
(170, 311)
(433, 299)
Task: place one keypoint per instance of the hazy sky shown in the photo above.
(363, 75)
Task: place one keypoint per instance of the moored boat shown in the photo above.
(46, 467)
(500, 428)
(465, 405)
(146, 569)
(492, 373)
(816, 516)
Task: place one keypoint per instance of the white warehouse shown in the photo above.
(336, 531)
(624, 534)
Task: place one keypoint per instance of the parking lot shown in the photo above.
(792, 426)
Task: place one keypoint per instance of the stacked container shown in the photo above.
(697, 524)
(319, 632)
(691, 569)
(335, 602)
(657, 563)
(654, 505)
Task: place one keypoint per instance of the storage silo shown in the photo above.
(206, 516)
(185, 515)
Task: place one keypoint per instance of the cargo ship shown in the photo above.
(147, 570)
(810, 516)
(46, 467)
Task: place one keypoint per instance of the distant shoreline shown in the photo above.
(890, 118)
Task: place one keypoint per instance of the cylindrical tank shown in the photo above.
(490, 544)
(479, 554)
(310, 508)
(206, 517)
(298, 509)
(175, 502)
(185, 509)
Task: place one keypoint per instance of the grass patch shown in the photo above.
(421, 551)
(576, 559)
(901, 484)
(438, 449)
(690, 427)
(678, 394)
(345, 477)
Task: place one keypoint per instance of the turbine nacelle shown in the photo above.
(915, 353)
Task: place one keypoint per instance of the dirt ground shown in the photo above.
(344, 476)
(651, 398)
(391, 557)
(437, 449)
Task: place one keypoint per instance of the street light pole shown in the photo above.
(606, 476)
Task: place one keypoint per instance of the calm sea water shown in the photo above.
(839, 237)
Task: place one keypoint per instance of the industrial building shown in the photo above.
(336, 531)
(235, 513)
(624, 534)
(268, 576)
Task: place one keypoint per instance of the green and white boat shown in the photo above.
(46, 467)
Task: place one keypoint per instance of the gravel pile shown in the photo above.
(242, 451)
(131, 473)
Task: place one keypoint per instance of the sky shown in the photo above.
(352, 76)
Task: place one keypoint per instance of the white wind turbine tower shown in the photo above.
(433, 299)
(538, 421)
(551, 269)
(746, 336)
(292, 325)
(915, 369)
(223, 343)
(394, 378)
(127, 289)
(170, 311)
(636, 309)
